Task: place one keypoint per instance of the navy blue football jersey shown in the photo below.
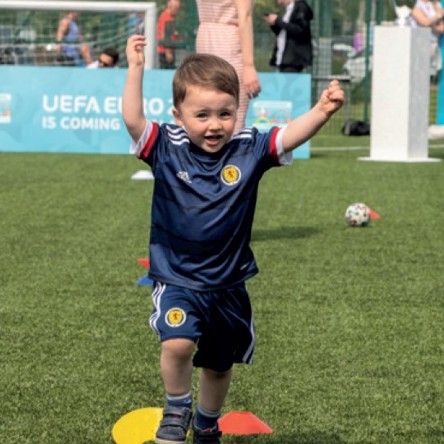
(203, 204)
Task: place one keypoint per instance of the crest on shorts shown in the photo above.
(175, 317)
(230, 175)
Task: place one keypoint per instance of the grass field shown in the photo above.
(350, 337)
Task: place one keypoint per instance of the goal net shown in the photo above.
(28, 30)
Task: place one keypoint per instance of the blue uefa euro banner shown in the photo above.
(74, 110)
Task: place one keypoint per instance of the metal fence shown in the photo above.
(343, 41)
(342, 38)
(343, 33)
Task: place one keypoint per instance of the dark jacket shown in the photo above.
(298, 47)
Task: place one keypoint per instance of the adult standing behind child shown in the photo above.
(226, 30)
(293, 51)
(70, 40)
(167, 34)
(429, 14)
(204, 199)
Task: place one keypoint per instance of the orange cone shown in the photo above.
(374, 214)
(242, 423)
(145, 262)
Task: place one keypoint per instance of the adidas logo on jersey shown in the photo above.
(184, 176)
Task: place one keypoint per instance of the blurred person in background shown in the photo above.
(166, 33)
(293, 51)
(70, 40)
(429, 14)
(226, 30)
(136, 23)
(108, 58)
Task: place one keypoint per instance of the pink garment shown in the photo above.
(218, 34)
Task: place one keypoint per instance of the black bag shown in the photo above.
(356, 128)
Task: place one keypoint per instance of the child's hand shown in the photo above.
(332, 98)
(135, 50)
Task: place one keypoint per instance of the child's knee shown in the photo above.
(179, 348)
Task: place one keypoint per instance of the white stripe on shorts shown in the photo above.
(248, 356)
(156, 296)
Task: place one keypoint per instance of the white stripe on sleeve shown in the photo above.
(284, 158)
(137, 147)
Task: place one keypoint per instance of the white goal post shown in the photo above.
(148, 9)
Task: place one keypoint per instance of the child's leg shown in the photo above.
(176, 369)
(176, 365)
(213, 388)
(212, 393)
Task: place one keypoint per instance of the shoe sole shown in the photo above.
(168, 441)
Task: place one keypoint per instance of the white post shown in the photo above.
(151, 40)
(400, 94)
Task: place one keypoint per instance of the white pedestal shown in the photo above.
(400, 95)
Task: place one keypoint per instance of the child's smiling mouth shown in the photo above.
(214, 138)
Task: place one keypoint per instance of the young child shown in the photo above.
(205, 189)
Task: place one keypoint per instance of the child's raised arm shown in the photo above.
(306, 126)
(132, 99)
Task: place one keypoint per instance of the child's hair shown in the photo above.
(208, 71)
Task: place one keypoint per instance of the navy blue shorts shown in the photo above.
(219, 322)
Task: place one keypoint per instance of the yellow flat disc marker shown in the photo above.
(138, 426)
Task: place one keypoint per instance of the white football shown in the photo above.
(357, 215)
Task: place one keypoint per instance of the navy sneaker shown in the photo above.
(208, 436)
(174, 426)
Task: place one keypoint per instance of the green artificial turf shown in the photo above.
(350, 337)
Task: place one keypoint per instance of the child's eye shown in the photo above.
(201, 115)
(225, 114)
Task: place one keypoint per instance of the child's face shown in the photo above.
(208, 116)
